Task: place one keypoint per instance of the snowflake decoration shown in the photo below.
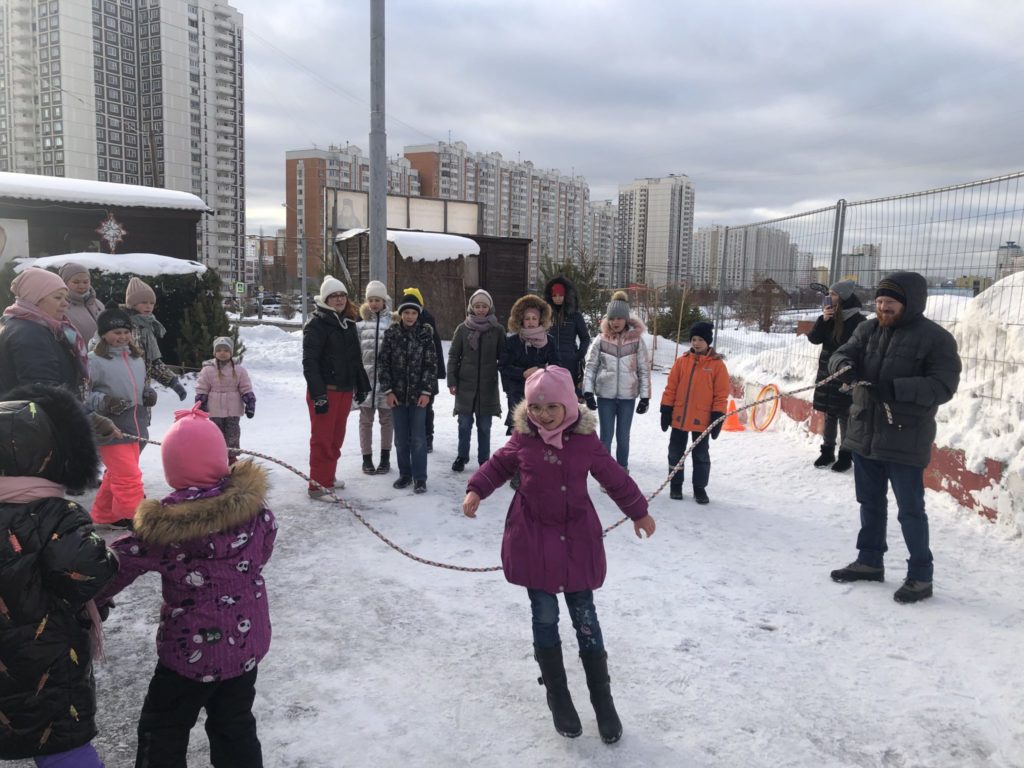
(111, 231)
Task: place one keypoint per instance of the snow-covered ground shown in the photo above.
(728, 643)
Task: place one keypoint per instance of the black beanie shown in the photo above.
(892, 289)
(112, 319)
(703, 329)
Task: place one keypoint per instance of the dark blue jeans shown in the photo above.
(872, 479)
(544, 606)
(615, 418)
(411, 440)
(483, 436)
(700, 456)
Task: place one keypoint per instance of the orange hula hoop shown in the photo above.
(761, 420)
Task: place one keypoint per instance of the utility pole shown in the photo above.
(302, 261)
(378, 148)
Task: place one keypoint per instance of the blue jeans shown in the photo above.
(544, 607)
(615, 417)
(411, 440)
(483, 436)
(872, 479)
(700, 456)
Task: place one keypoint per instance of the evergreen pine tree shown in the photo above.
(203, 320)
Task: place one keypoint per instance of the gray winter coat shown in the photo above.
(371, 338)
(124, 377)
(914, 364)
(619, 368)
(474, 372)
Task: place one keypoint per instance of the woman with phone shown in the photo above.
(840, 314)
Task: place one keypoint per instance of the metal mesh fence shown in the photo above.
(963, 238)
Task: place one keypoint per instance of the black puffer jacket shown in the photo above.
(828, 398)
(30, 353)
(51, 564)
(331, 355)
(426, 318)
(568, 328)
(914, 364)
(408, 362)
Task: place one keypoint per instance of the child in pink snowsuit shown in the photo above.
(225, 392)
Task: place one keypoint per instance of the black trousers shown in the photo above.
(430, 421)
(170, 711)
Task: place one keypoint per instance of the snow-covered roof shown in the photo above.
(424, 246)
(28, 186)
(147, 264)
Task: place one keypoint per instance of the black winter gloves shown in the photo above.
(666, 417)
(149, 397)
(204, 401)
(643, 405)
(360, 396)
(321, 404)
(179, 390)
(717, 429)
(249, 399)
(590, 400)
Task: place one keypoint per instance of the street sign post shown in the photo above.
(240, 289)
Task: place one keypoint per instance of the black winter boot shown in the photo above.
(595, 664)
(385, 461)
(552, 677)
(843, 462)
(368, 468)
(675, 487)
(459, 464)
(828, 455)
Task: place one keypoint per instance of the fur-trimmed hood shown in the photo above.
(571, 303)
(241, 501)
(367, 315)
(586, 424)
(634, 330)
(523, 303)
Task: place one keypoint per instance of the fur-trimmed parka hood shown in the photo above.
(368, 315)
(523, 303)
(634, 330)
(586, 424)
(571, 303)
(241, 501)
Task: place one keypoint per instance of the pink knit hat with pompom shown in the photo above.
(35, 284)
(194, 452)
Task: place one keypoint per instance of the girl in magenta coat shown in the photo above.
(553, 536)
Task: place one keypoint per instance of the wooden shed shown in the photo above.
(445, 268)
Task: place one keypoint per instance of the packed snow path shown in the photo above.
(728, 643)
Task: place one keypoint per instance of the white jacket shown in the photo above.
(618, 367)
(370, 330)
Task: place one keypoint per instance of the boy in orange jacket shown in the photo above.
(695, 395)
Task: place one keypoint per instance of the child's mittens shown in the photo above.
(178, 389)
(360, 397)
(204, 401)
(643, 405)
(148, 397)
(250, 404)
(666, 417)
(321, 404)
(590, 400)
(115, 406)
(717, 429)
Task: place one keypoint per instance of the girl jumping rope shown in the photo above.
(553, 537)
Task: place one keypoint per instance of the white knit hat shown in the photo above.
(480, 293)
(331, 285)
(223, 341)
(375, 289)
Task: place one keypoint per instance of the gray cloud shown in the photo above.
(769, 107)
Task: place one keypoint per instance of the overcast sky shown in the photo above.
(769, 106)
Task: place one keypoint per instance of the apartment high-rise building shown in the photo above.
(308, 172)
(516, 198)
(599, 238)
(131, 91)
(863, 264)
(655, 231)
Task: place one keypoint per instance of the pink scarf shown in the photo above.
(534, 337)
(62, 330)
(478, 325)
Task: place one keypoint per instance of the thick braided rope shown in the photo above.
(488, 569)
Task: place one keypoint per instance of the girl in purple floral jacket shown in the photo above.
(553, 537)
(209, 541)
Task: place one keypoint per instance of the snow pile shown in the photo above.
(147, 264)
(425, 246)
(30, 186)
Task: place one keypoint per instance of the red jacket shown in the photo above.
(697, 385)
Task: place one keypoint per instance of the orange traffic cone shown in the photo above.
(732, 419)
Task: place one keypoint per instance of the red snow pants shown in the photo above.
(326, 434)
(121, 489)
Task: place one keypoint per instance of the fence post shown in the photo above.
(839, 225)
(721, 283)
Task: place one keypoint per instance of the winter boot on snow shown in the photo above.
(385, 461)
(858, 572)
(843, 462)
(828, 455)
(552, 677)
(459, 464)
(700, 495)
(675, 487)
(595, 664)
(368, 468)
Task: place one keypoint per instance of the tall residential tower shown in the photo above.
(655, 231)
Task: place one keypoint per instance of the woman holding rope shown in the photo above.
(553, 538)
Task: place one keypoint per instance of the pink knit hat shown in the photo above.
(35, 284)
(138, 292)
(553, 385)
(194, 452)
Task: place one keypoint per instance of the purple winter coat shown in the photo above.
(553, 538)
(210, 553)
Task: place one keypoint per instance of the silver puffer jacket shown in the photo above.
(371, 330)
(618, 367)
